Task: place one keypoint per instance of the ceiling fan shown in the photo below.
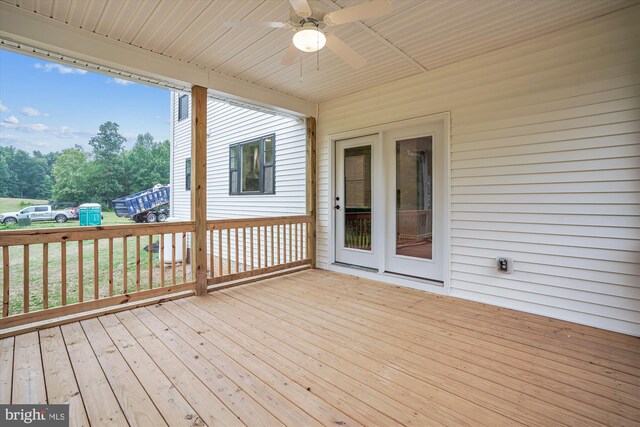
(309, 28)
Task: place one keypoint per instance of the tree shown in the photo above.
(27, 175)
(147, 164)
(107, 172)
(4, 177)
(69, 173)
(108, 144)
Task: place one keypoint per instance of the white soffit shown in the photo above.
(419, 35)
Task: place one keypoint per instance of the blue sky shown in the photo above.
(49, 107)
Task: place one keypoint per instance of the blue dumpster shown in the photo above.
(90, 214)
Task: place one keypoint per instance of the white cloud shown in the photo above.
(32, 112)
(11, 120)
(36, 127)
(121, 82)
(3, 108)
(13, 123)
(47, 67)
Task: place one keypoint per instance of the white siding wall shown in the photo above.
(228, 124)
(180, 151)
(545, 167)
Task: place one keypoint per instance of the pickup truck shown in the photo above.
(36, 213)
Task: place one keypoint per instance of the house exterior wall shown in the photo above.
(545, 169)
(229, 124)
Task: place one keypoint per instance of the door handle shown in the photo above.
(337, 207)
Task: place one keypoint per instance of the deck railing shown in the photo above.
(249, 247)
(48, 273)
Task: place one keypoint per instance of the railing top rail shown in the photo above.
(223, 224)
(72, 234)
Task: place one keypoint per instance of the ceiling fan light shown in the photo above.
(309, 40)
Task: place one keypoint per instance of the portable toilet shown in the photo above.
(90, 214)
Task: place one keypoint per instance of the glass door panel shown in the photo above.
(414, 199)
(357, 197)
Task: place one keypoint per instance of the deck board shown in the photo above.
(59, 378)
(318, 348)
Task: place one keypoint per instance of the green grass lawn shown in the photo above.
(13, 205)
(54, 266)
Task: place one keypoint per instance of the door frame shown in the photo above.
(381, 275)
(377, 202)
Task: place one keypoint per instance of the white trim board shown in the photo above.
(381, 275)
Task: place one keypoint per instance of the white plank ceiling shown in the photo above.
(419, 35)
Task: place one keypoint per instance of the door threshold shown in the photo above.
(358, 267)
(415, 278)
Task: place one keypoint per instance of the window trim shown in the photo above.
(187, 177)
(238, 152)
(186, 112)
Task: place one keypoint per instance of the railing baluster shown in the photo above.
(5, 281)
(63, 269)
(301, 256)
(212, 262)
(290, 244)
(259, 245)
(266, 246)
(184, 257)
(295, 239)
(110, 267)
(228, 251)
(150, 259)
(161, 250)
(251, 245)
(80, 271)
(220, 273)
(96, 271)
(25, 296)
(45, 276)
(235, 232)
(306, 240)
(244, 249)
(272, 255)
(124, 264)
(173, 258)
(138, 263)
(284, 243)
(278, 227)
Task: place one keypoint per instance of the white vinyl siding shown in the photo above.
(229, 124)
(180, 152)
(545, 169)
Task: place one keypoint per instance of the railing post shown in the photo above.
(199, 186)
(311, 188)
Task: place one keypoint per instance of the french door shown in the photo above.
(390, 211)
(355, 197)
(414, 174)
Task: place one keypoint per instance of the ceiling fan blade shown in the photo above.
(301, 7)
(345, 53)
(254, 24)
(371, 9)
(290, 55)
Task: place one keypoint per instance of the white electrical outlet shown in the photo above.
(505, 265)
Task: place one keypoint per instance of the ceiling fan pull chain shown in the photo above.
(317, 51)
(300, 68)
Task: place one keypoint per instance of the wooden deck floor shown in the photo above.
(317, 348)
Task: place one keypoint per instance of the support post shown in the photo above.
(311, 187)
(199, 187)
